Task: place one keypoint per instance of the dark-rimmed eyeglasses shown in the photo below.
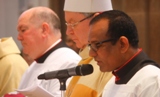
(72, 25)
(96, 46)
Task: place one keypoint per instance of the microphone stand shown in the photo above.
(63, 86)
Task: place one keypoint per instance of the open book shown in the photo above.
(35, 91)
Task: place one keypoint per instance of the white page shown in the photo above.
(35, 91)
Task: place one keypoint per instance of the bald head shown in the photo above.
(37, 15)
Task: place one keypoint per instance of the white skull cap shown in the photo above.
(87, 5)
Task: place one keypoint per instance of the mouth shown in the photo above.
(74, 39)
(22, 43)
(98, 62)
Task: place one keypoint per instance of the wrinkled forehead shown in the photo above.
(73, 15)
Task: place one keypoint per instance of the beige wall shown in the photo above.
(146, 15)
(154, 29)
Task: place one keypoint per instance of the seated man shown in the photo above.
(113, 41)
(40, 36)
(78, 14)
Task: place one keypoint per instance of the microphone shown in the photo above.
(80, 70)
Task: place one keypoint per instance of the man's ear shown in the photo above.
(124, 44)
(45, 28)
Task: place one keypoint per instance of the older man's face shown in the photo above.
(78, 32)
(29, 35)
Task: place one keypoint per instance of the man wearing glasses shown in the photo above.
(78, 14)
(113, 41)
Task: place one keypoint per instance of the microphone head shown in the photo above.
(84, 69)
(42, 76)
